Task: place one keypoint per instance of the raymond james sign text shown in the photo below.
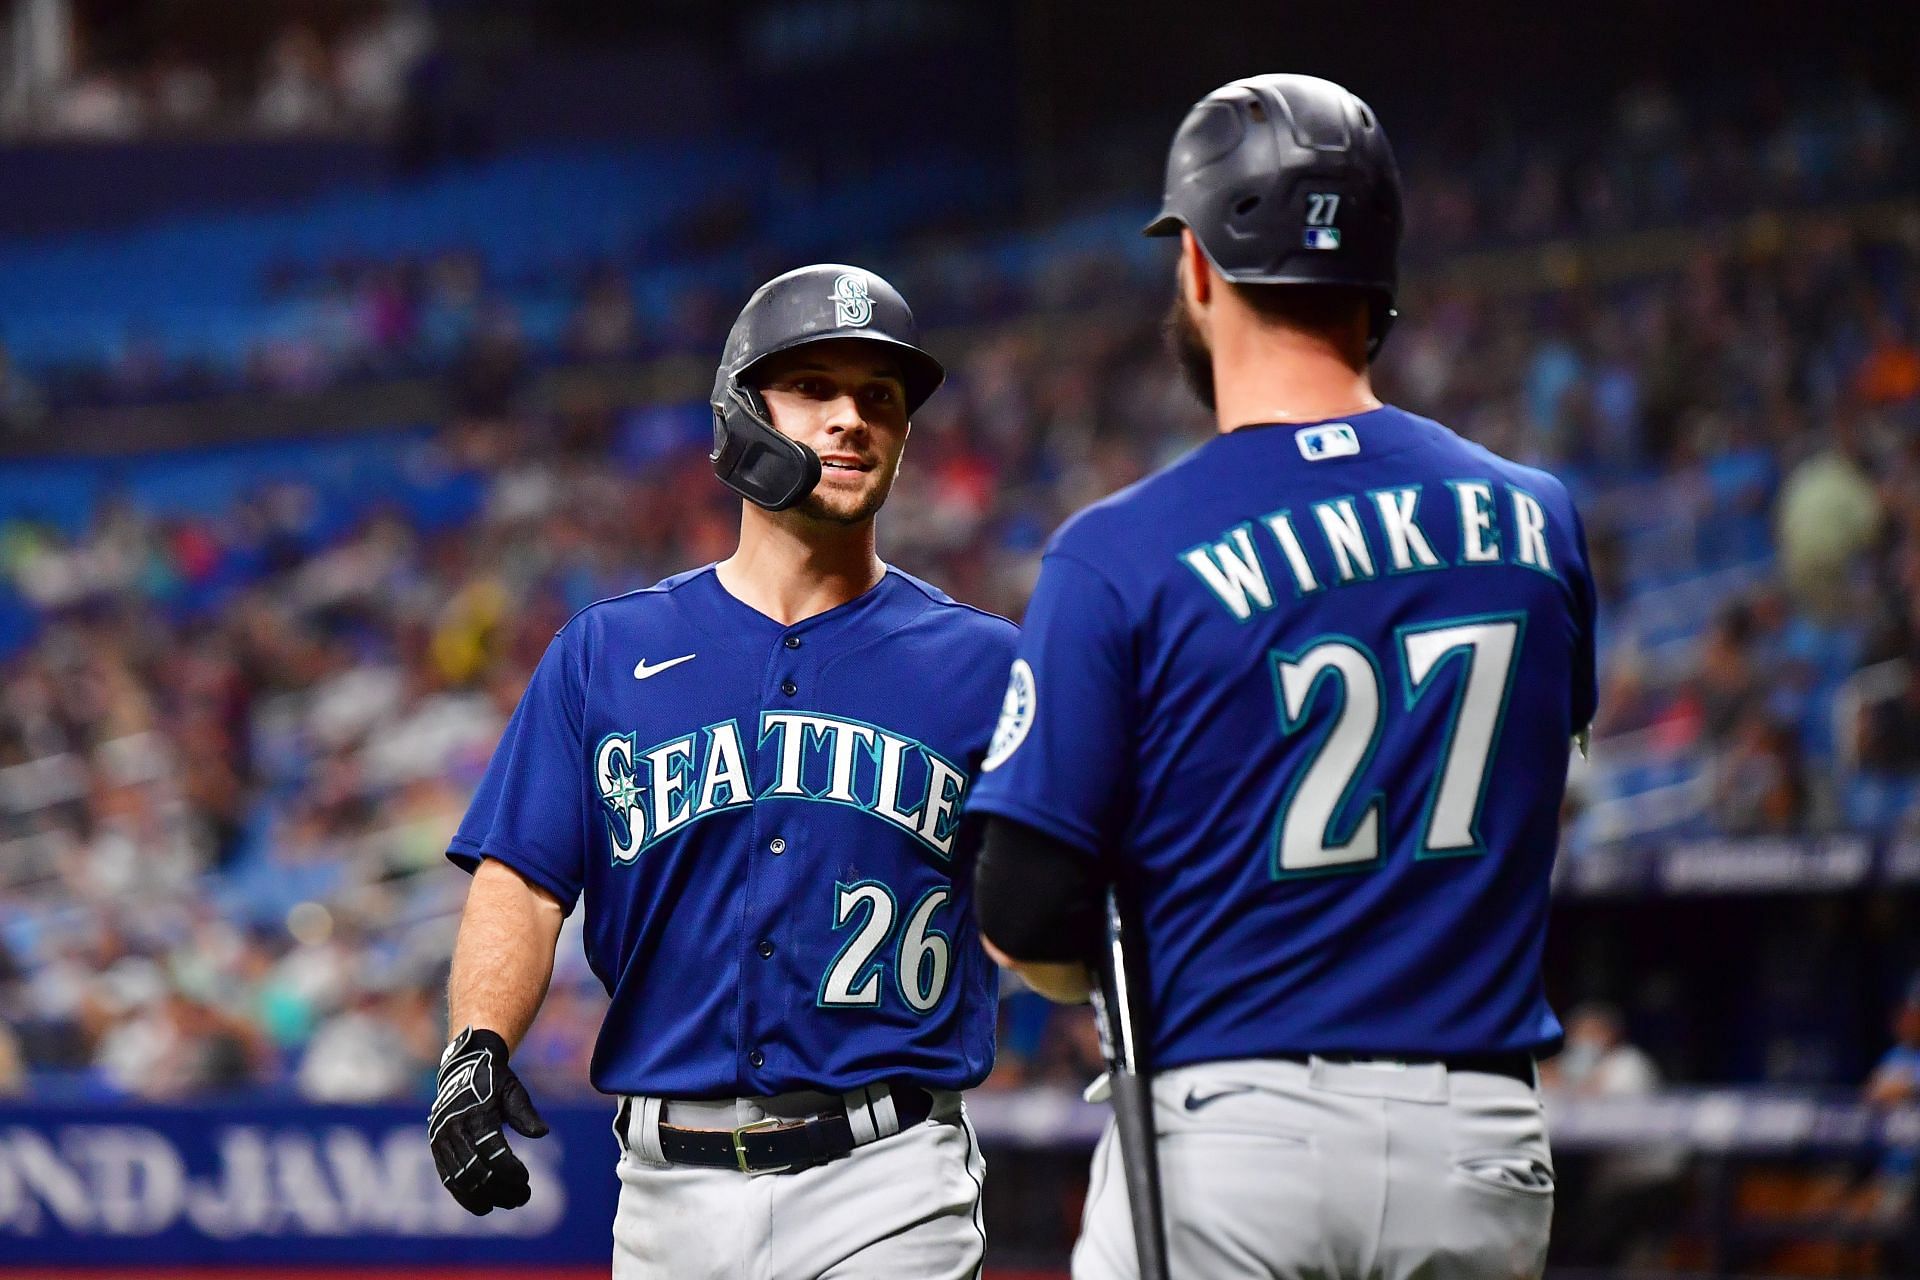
(283, 1183)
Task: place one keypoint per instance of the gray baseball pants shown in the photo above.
(1335, 1171)
(905, 1205)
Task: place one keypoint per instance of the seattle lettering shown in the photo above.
(651, 792)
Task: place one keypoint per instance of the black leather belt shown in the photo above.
(1515, 1066)
(778, 1144)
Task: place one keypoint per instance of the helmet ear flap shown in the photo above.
(828, 301)
(752, 457)
(1381, 313)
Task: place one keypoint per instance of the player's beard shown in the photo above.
(850, 510)
(1189, 349)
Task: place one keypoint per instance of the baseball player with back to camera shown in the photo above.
(1305, 698)
(753, 772)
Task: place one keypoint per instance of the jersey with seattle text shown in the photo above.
(763, 821)
(1309, 693)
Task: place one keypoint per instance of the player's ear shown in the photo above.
(1196, 272)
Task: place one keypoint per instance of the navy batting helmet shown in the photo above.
(1288, 179)
(812, 304)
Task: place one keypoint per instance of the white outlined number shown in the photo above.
(923, 959)
(854, 980)
(1306, 837)
(1305, 842)
(1322, 208)
(926, 955)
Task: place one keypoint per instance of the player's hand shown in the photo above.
(477, 1093)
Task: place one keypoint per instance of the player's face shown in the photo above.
(1185, 340)
(845, 400)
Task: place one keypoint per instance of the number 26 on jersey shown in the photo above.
(919, 955)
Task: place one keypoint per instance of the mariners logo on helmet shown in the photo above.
(852, 307)
(829, 301)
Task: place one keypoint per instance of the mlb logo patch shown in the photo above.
(1323, 237)
(1332, 440)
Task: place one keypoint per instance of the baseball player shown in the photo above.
(753, 772)
(1305, 698)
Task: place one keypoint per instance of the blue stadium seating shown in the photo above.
(197, 288)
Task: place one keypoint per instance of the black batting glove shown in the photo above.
(478, 1092)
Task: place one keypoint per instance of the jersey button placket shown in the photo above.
(777, 845)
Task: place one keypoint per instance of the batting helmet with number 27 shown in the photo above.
(1287, 179)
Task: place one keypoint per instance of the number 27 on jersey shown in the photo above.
(1346, 672)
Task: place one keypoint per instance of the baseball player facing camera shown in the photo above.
(1304, 698)
(753, 774)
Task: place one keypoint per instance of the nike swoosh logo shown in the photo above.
(642, 671)
(1196, 1101)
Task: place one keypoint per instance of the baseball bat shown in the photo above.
(1121, 1014)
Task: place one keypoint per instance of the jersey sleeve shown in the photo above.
(1586, 689)
(1065, 736)
(527, 812)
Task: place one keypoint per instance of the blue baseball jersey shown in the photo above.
(1308, 693)
(763, 820)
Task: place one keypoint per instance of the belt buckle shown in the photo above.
(740, 1147)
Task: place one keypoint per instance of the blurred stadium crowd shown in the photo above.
(235, 743)
(329, 313)
(345, 71)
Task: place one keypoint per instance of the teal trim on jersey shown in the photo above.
(806, 733)
(875, 967)
(689, 789)
(619, 833)
(901, 976)
(1267, 522)
(1413, 518)
(814, 734)
(1460, 560)
(1517, 537)
(1376, 802)
(619, 828)
(1346, 503)
(1413, 692)
(1254, 607)
(615, 841)
(707, 735)
(871, 807)
(946, 829)
(702, 736)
